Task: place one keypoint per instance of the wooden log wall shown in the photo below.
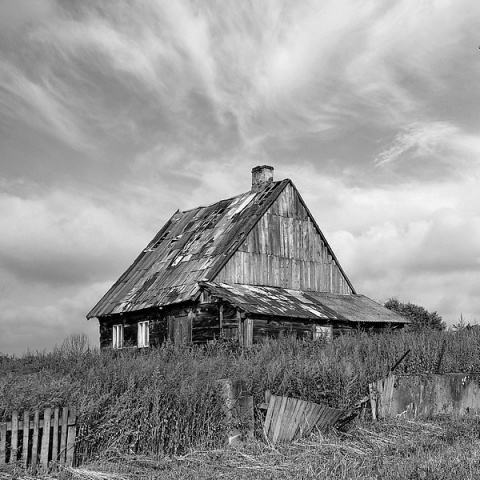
(157, 325)
(285, 250)
(275, 327)
(212, 321)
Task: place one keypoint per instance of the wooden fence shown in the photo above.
(33, 441)
(290, 418)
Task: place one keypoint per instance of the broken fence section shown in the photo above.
(425, 395)
(39, 439)
(290, 418)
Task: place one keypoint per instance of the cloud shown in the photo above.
(232, 75)
(415, 240)
(440, 140)
(16, 14)
(39, 105)
(45, 321)
(170, 104)
(62, 238)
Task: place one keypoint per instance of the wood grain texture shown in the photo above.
(286, 250)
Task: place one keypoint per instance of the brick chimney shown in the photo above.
(260, 176)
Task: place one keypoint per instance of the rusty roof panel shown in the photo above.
(193, 245)
(281, 302)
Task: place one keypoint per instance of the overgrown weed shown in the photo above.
(164, 401)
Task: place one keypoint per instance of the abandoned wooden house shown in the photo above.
(251, 266)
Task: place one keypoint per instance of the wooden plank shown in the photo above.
(296, 415)
(63, 435)
(14, 441)
(279, 419)
(56, 424)
(3, 442)
(71, 435)
(275, 410)
(305, 420)
(36, 422)
(389, 394)
(285, 434)
(269, 415)
(315, 416)
(26, 432)
(47, 416)
(240, 328)
(282, 420)
(372, 392)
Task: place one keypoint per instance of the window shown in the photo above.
(322, 331)
(143, 334)
(117, 337)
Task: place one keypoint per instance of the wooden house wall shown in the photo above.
(158, 328)
(206, 322)
(285, 250)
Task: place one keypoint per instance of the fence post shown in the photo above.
(238, 409)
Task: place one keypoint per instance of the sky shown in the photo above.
(113, 115)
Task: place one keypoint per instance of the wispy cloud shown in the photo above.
(253, 72)
(38, 105)
(440, 140)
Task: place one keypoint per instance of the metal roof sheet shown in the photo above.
(193, 245)
(281, 302)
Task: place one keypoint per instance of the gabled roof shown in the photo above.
(192, 246)
(282, 302)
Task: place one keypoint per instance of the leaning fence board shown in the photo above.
(37, 442)
(289, 418)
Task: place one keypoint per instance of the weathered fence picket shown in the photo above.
(290, 418)
(39, 441)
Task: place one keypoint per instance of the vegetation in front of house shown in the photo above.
(152, 403)
(443, 449)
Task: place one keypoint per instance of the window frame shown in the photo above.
(143, 334)
(118, 336)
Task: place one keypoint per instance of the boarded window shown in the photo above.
(117, 336)
(143, 334)
(322, 331)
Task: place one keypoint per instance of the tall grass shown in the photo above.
(164, 401)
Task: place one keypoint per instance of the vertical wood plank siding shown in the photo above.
(285, 250)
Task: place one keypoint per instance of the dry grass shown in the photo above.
(149, 404)
(394, 449)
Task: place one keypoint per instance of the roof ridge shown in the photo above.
(225, 199)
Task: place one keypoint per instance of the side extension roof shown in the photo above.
(282, 302)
